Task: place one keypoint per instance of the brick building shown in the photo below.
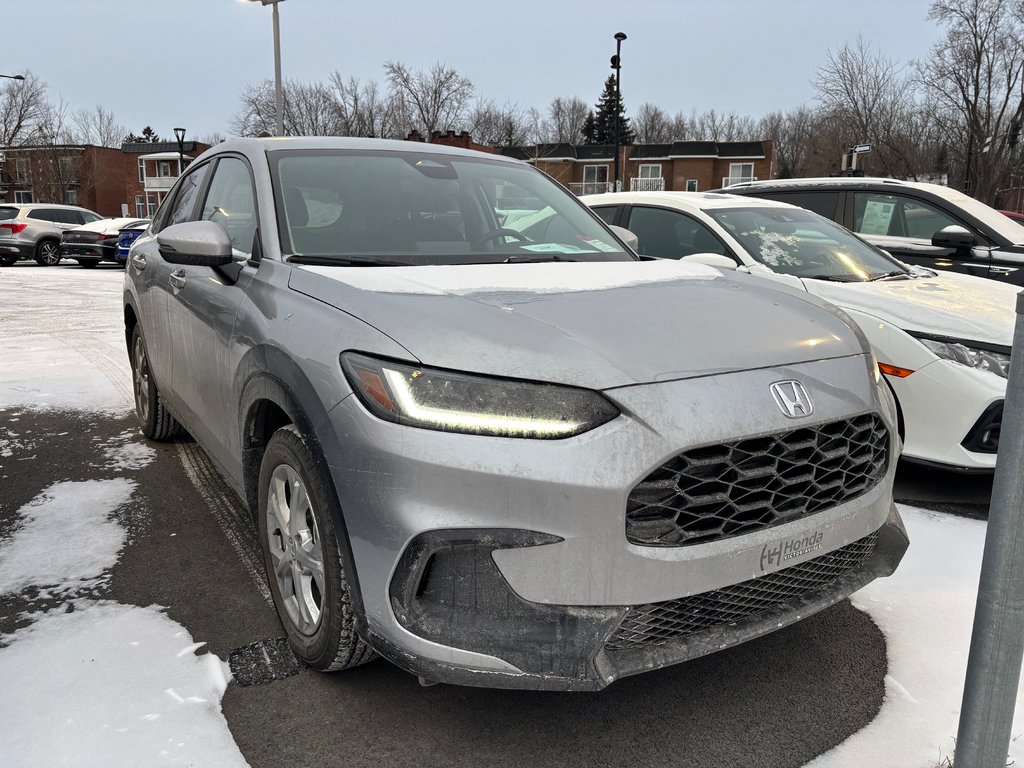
(102, 179)
(692, 166)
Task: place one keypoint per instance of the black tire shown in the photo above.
(328, 641)
(48, 253)
(88, 263)
(155, 421)
(7, 261)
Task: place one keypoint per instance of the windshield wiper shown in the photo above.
(831, 278)
(896, 273)
(537, 259)
(346, 261)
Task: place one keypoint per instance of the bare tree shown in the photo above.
(566, 116)
(98, 126)
(437, 98)
(365, 111)
(506, 125)
(652, 125)
(975, 73)
(790, 133)
(257, 114)
(22, 103)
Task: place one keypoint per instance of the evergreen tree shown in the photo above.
(149, 136)
(599, 127)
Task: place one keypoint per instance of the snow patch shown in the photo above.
(926, 611)
(122, 455)
(66, 540)
(110, 684)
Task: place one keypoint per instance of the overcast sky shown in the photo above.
(167, 63)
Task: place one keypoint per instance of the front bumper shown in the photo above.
(467, 604)
(564, 591)
(944, 405)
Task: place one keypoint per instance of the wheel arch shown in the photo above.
(276, 393)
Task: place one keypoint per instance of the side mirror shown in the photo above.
(626, 236)
(957, 238)
(195, 244)
(716, 260)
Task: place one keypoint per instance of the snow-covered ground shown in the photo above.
(94, 682)
(88, 681)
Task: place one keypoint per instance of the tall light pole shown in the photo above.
(617, 66)
(179, 134)
(278, 96)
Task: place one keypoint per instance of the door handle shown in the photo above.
(139, 262)
(178, 279)
(1002, 270)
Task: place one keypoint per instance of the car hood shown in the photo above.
(948, 304)
(597, 325)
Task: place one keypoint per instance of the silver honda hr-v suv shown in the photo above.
(482, 439)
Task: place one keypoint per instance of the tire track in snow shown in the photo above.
(228, 511)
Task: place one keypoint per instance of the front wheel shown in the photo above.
(302, 556)
(155, 420)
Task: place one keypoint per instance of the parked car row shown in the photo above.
(48, 232)
(504, 450)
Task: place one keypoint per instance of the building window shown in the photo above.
(67, 167)
(140, 206)
(650, 171)
(24, 196)
(151, 204)
(163, 169)
(739, 172)
(71, 197)
(595, 179)
(21, 171)
(691, 185)
(142, 169)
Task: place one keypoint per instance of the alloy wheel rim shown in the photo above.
(293, 541)
(50, 254)
(140, 379)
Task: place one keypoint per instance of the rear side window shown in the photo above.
(42, 214)
(67, 217)
(6, 214)
(607, 213)
(89, 217)
(823, 203)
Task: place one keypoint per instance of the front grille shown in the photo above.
(719, 491)
(660, 623)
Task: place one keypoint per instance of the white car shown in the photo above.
(942, 339)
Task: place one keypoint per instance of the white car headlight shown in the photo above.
(973, 357)
(480, 405)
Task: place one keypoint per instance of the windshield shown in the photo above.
(406, 208)
(796, 242)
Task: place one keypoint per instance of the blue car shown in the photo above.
(126, 237)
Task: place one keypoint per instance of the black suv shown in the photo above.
(925, 224)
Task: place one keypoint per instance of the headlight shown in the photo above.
(477, 405)
(983, 359)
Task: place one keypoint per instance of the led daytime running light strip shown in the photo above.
(466, 420)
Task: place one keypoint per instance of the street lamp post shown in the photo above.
(278, 95)
(617, 66)
(179, 134)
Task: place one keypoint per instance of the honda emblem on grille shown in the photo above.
(792, 398)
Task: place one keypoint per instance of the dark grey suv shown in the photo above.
(33, 230)
(924, 224)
